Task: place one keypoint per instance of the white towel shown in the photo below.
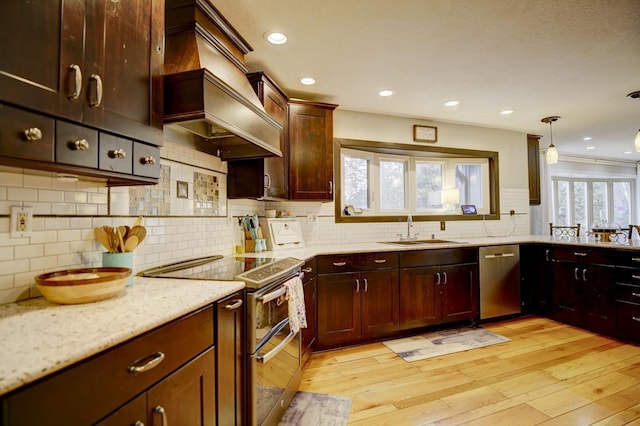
(295, 298)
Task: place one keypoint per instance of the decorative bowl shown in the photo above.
(82, 285)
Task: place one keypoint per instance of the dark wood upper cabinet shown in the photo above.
(310, 150)
(533, 158)
(98, 63)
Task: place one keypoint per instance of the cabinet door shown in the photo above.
(459, 287)
(118, 86)
(309, 334)
(419, 298)
(276, 169)
(40, 41)
(338, 309)
(379, 307)
(566, 292)
(230, 360)
(133, 413)
(310, 152)
(187, 397)
(598, 298)
(535, 270)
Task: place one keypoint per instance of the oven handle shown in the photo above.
(265, 358)
(266, 298)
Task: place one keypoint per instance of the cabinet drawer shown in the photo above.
(356, 262)
(628, 293)
(629, 258)
(583, 254)
(146, 160)
(77, 145)
(628, 317)
(629, 276)
(115, 154)
(86, 392)
(35, 144)
(437, 257)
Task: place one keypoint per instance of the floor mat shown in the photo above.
(443, 342)
(317, 409)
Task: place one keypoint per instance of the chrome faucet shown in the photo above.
(409, 226)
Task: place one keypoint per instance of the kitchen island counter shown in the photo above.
(40, 337)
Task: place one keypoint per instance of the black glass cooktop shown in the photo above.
(254, 271)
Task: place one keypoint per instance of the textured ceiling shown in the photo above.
(574, 58)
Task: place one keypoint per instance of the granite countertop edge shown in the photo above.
(40, 337)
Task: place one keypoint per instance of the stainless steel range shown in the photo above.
(273, 351)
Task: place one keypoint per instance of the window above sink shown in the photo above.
(385, 182)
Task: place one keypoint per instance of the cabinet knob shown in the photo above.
(77, 87)
(150, 160)
(80, 145)
(118, 153)
(32, 134)
(95, 102)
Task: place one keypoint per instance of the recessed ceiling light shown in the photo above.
(591, 147)
(451, 103)
(385, 93)
(276, 38)
(587, 138)
(308, 81)
(506, 111)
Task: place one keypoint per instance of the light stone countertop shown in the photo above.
(39, 337)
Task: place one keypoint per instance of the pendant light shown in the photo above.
(636, 95)
(552, 152)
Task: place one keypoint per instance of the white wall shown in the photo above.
(66, 213)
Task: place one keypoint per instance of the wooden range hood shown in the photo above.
(206, 91)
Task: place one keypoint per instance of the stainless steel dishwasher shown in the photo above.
(499, 281)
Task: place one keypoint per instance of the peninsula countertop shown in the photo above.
(40, 337)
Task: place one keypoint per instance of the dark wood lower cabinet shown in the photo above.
(310, 286)
(353, 307)
(230, 360)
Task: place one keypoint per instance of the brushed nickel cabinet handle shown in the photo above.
(80, 145)
(438, 277)
(95, 103)
(32, 134)
(635, 277)
(635, 259)
(234, 305)
(267, 180)
(635, 294)
(575, 274)
(446, 278)
(379, 261)
(580, 254)
(146, 363)
(150, 160)
(160, 410)
(118, 153)
(138, 423)
(339, 263)
(546, 255)
(77, 89)
(366, 285)
(584, 275)
(331, 187)
(357, 285)
(635, 319)
(307, 270)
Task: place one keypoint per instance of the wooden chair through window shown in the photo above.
(631, 228)
(564, 231)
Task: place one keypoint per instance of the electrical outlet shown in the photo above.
(443, 227)
(21, 221)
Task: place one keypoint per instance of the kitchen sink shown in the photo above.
(421, 242)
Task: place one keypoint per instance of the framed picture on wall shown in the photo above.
(183, 189)
(425, 133)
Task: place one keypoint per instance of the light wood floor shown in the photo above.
(550, 374)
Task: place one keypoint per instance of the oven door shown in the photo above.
(273, 370)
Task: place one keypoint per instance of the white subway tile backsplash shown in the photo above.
(14, 266)
(63, 208)
(10, 179)
(36, 181)
(45, 195)
(28, 251)
(22, 194)
(56, 248)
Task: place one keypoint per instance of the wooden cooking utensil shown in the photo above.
(103, 238)
(138, 231)
(131, 243)
(120, 241)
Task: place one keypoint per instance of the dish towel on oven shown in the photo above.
(295, 299)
